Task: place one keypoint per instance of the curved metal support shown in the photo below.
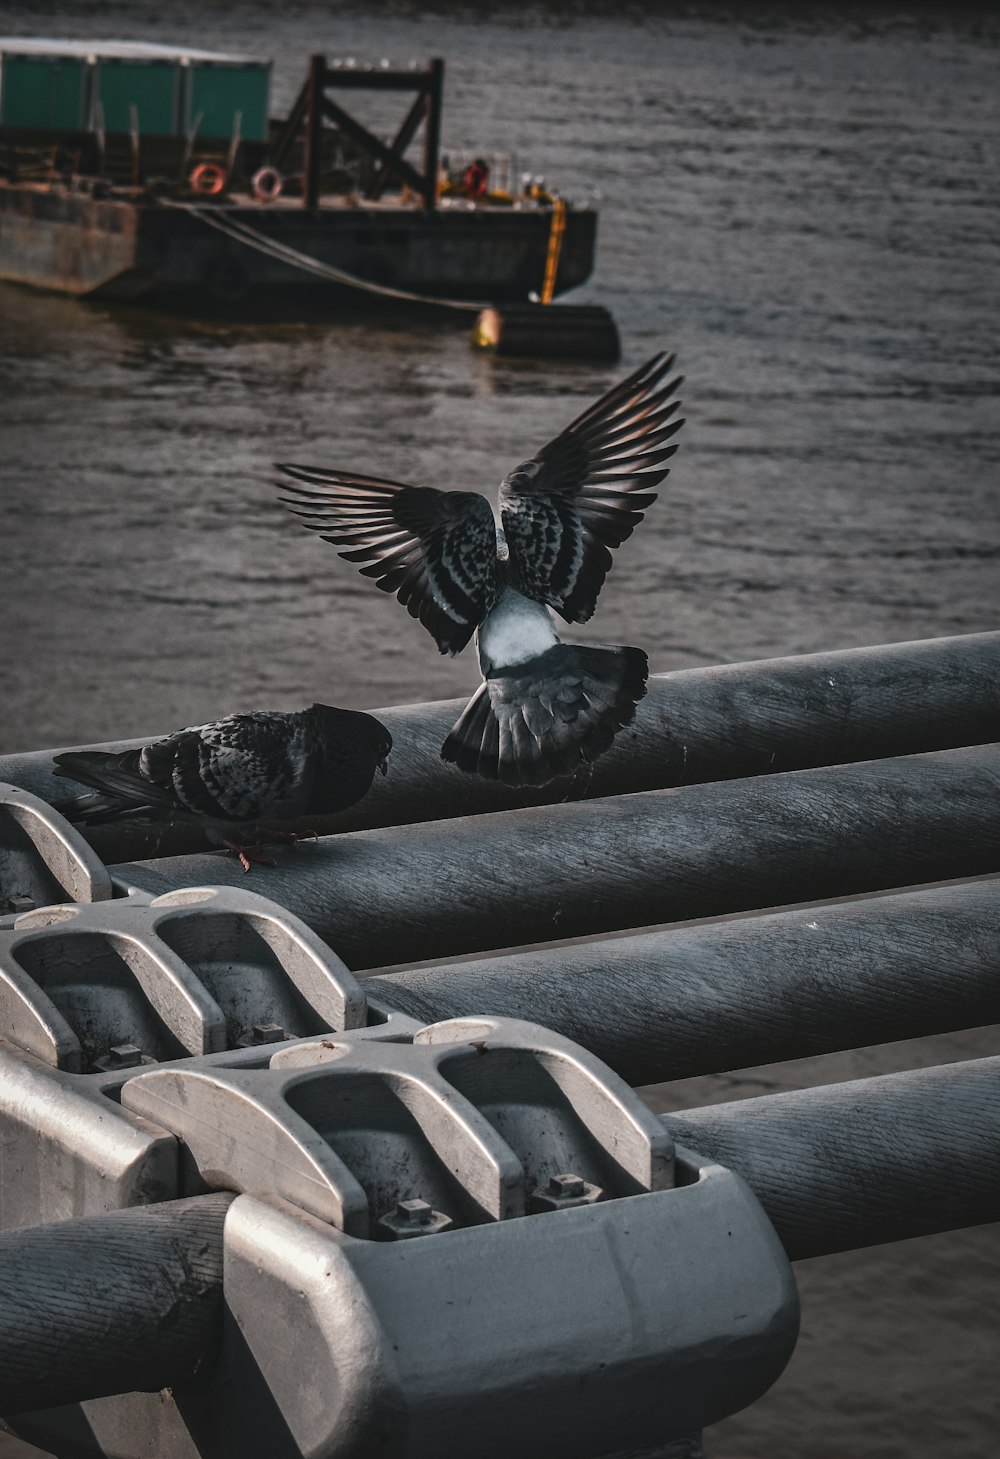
(43, 859)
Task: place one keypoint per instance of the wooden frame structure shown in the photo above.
(313, 105)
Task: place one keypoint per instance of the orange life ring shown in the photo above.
(208, 178)
(267, 183)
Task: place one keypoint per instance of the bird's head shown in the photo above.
(364, 732)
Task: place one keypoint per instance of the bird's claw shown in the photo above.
(249, 855)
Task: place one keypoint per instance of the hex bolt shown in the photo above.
(120, 1056)
(565, 1185)
(267, 1033)
(412, 1218)
(563, 1191)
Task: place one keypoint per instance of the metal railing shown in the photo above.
(225, 1154)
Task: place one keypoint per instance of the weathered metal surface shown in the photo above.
(873, 1160)
(92, 994)
(129, 1301)
(731, 995)
(473, 1116)
(694, 725)
(834, 1168)
(70, 1150)
(191, 973)
(72, 242)
(446, 887)
(76, 244)
(43, 858)
(335, 1334)
(596, 1330)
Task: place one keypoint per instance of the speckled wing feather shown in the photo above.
(436, 550)
(235, 768)
(584, 492)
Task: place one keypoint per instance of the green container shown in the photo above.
(217, 92)
(152, 87)
(48, 92)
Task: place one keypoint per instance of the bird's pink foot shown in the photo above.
(290, 838)
(249, 855)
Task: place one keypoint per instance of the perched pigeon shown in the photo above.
(232, 774)
(544, 707)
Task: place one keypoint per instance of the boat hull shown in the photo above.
(120, 248)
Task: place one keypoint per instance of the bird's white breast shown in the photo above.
(517, 629)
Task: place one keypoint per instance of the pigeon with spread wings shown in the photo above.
(544, 706)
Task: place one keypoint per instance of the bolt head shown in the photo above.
(414, 1213)
(268, 1033)
(563, 1191)
(566, 1185)
(412, 1218)
(124, 1056)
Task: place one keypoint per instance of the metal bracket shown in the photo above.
(113, 984)
(43, 859)
(472, 1117)
(92, 994)
(607, 1329)
(587, 1291)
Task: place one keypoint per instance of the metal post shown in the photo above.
(449, 887)
(432, 132)
(314, 131)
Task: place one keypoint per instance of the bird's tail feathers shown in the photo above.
(542, 719)
(117, 788)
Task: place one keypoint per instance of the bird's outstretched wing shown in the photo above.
(583, 493)
(436, 550)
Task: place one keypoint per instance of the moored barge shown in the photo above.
(153, 173)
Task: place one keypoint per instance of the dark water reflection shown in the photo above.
(804, 204)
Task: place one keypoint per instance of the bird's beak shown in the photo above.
(383, 766)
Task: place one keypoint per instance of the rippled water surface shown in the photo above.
(806, 210)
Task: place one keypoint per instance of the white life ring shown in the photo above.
(267, 183)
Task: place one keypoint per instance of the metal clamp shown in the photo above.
(470, 1234)
(580, 1288)
(115, 984)
(473, 1117)
(92, 994)
(43, 859)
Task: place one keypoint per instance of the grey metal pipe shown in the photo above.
(694, 725)
(850, 1165)
(411, 893)
(122, 1303)
(131, 1301)
(730, 995)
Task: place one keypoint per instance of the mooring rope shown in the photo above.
(283, 253)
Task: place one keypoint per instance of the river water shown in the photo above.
(804, 205)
